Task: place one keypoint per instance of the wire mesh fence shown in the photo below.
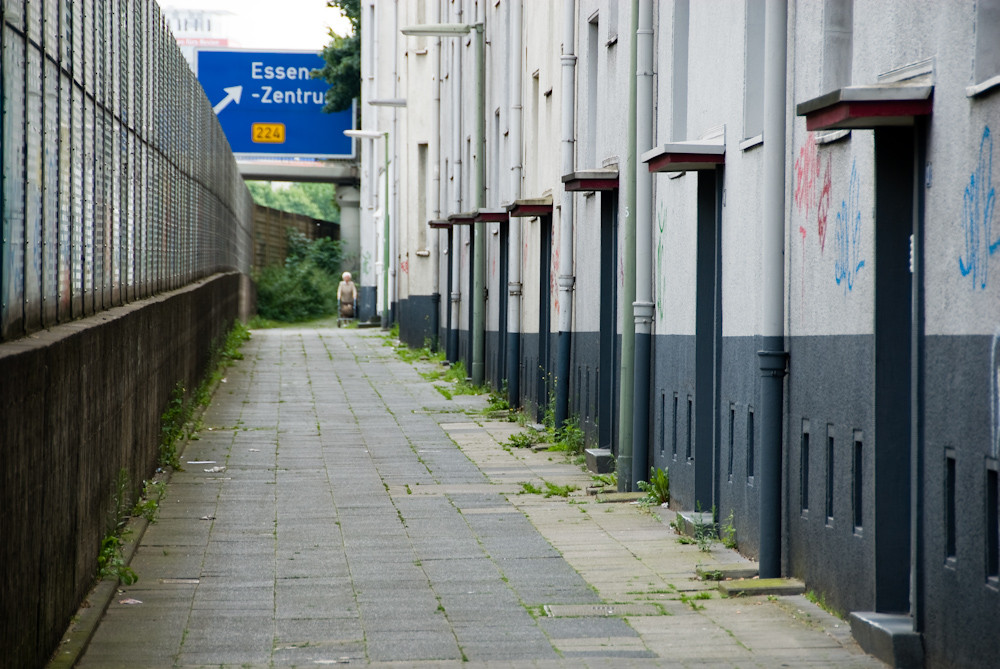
(118, 182)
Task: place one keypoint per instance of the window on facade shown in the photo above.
(536, 107)
(422, 161)
(679, 85)
(753, 70)
(987, 39)
(804, 468)
(829, 474)
(732, 440)
(494, 183)
(663, 422)
(690, 426)
(593, 39)
(674, 439)
(992, 524)
(858, 484)
(612, 23)
(838, 43)
(950, 521)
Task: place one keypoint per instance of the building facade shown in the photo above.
(746, 241)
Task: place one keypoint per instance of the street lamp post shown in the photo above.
(479, 238)
(373, 135)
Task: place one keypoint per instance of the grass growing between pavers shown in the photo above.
(521, 451)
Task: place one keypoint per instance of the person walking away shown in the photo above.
(347, 295)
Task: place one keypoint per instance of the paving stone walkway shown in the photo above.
(364, 518)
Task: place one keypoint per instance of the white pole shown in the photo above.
(566, 278)
(514, 231)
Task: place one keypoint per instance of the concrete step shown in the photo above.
(727, 572)
(757, 587)
(889, 637)
(689, 521)
(599, 460)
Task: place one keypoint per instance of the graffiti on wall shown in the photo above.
(813, 184)
(847, 235)
(661, 278)
(977, 216)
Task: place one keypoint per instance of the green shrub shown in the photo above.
(305, 287)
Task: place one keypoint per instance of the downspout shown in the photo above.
(479, 227)
(624, 462)
(435, 194)
(566, 279)
(456, 169)
(386, 244)
(643, 307)
(394, 230)
(514, 236)
(772, 356)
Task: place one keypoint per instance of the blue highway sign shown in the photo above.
(267, 103)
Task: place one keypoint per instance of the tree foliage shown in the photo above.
(305, 287)
(315, 200)
(343, 60)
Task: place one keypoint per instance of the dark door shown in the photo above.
(544, 312)
(450, 339)
(502, 299)
(708, 338)
(895, 165)
(607, 403)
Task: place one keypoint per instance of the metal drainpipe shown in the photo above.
(643, 306)
(456, 169)
(394, 230)
(514, 230)
(435, 200)
(626, 390)
(772, 356)
(566, 279)
(479, 227)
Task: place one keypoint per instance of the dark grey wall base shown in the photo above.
(959, 424)
(80, 403)
(416, 314)
(366, 303)
(830, 396)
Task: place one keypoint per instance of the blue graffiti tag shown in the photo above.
(977, 216)
(661, 284)
(847, 235)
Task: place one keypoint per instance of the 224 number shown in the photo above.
(268, 133)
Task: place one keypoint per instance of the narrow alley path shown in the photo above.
(363, 518)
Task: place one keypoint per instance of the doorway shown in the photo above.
(708, 338)
(544, 313)
(607, 404)
(896, 220)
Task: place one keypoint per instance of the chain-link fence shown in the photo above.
(118, 182)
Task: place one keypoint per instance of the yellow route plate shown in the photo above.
(268, 133)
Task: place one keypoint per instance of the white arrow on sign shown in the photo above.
(233, 94)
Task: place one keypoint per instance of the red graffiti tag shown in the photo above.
(404, 266)
(802, 290)
(812, 191)
(823, 206)
(806, 174)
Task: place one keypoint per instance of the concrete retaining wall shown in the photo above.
(79, 403)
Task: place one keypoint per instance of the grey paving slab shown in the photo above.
(364, 518)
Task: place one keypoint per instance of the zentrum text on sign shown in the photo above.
(297, 96)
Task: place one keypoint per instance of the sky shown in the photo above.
(274, 24)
